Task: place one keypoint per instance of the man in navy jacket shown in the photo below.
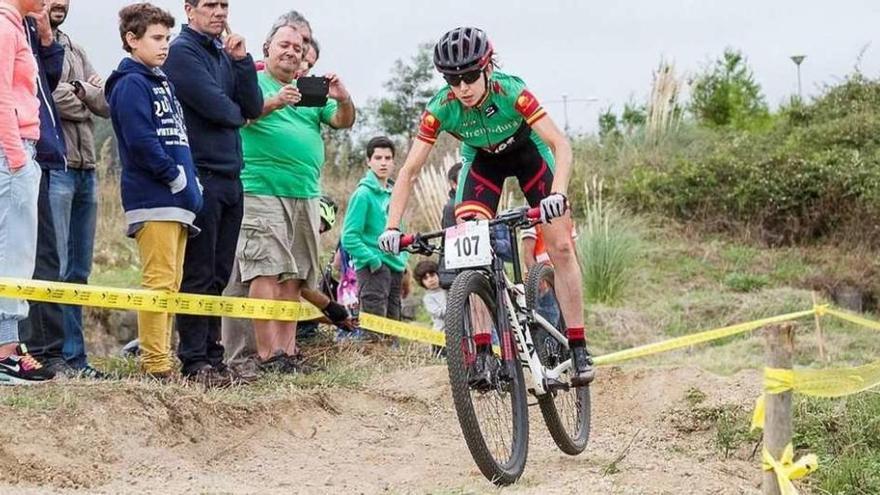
(216, 82)
(43, 330)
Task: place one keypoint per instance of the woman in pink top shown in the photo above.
(19, 182)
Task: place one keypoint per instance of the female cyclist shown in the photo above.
(504, 132)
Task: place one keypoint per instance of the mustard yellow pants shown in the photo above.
(161, 246)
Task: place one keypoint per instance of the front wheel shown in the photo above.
(494, 418)
(566, 412)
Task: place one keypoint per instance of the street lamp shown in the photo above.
(566, 100)
(798, 59)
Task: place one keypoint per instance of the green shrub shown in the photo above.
(608, 245)
(812, 173)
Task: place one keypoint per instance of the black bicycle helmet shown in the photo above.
(462, 50)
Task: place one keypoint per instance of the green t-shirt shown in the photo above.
(491, 126)
(284, 151)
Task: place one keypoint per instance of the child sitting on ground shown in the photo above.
(435, 297)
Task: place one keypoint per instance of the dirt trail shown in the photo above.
(398, 435)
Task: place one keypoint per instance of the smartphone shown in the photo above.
(314, 91)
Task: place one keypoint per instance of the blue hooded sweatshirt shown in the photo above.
(51, 149)
(153, 148)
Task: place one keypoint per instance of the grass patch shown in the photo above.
(609, 246)
(745, 282)
(739, 256)
(35, 402)
(125, 277)
(694, 397)
(845, 434)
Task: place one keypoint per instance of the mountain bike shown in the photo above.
(530, 351)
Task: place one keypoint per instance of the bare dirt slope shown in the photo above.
(397, 435)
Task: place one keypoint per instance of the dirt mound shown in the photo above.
(397, 433)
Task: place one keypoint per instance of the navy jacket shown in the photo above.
(218, 96)
(153, 147)
(51, 150)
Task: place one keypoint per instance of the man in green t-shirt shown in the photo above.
(283, 154)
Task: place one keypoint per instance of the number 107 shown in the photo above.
(467, 246)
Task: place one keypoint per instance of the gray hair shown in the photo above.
(293, 19)
(317, 47)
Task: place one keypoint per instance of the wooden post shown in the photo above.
(778, 416)
(820, 339)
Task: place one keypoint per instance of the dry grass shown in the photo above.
(664, 108)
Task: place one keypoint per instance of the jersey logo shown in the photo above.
(429, 122)
(491, 110)
(527, 106)
(428, 128)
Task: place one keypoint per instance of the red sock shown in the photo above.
(576, 334)
(483, 339)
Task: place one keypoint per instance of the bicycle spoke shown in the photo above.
(493, 408)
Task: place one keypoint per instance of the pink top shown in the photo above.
(19, 106)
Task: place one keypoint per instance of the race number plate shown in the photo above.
(467, 245)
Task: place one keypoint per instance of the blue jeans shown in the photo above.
(74, 199)
(18, 235)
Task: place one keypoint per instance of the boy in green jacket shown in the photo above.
(379, 274)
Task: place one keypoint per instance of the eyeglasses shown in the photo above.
(468, 77)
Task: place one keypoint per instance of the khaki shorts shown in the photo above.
(279, 238)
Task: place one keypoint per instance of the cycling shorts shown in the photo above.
(482, 180)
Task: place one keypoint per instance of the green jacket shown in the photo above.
(365, 222)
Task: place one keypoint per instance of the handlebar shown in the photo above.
(530, 216)
(534, 214)
(406, 240)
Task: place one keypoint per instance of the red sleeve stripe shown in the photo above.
(426, 139)
(537, 116)
(527, 105)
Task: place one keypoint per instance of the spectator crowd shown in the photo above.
(221, 169)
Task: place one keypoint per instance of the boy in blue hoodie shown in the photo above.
(160, 193)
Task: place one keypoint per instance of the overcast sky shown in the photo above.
(585, 49)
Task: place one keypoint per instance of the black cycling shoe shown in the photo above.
(582, 373)
(481, 375)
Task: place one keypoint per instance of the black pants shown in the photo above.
(43, 330)
(207, 266)
(379, 292)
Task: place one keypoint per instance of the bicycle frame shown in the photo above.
(519, 317)
(510, 309)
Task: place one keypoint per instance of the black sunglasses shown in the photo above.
(467, 77)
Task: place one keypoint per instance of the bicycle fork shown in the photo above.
(517, 347)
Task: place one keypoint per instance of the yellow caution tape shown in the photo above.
(858, 320)
(697, 338)
(239, 307)
(787, 470)
(402, 330)
(826, 383)
(200, 305)
(155, 301)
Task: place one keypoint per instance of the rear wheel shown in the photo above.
(566, 412)
(493, 419)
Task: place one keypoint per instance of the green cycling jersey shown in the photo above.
(502, 120)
